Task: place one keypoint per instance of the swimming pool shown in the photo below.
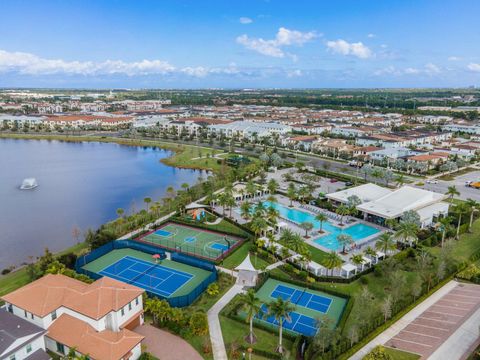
(358, 232)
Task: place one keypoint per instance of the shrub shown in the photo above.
(364, 280)
(6, 271)
(378, 353)
(213, 289)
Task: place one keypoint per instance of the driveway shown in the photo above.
(165, 345)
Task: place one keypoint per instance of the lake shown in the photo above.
(80, 185)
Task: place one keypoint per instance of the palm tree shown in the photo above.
(473, 207)
(272, 186)
(286, 235)
(400, 180)
(451, 192)
(147, 201)
(407, 232)
(280, 309)
(445, 225)
(245, 210)
(332, 261)
(460, 209)
(307, 226)
(291, 193)
(251, 188)
(296, 243)
(385, 243)
(321, 218)
(120, 212)
(258, 225)
(272, 215)
(357, 260)
(260, 209)
(344, 240)
(252, 306)
(391, 223)
(370, 252)
(342, 210)
(222, 201)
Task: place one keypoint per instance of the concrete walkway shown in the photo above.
(166, 346)
(275, 265)
(404, 321)
(216, 337)
(230, 272)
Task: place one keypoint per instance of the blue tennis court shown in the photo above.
(163, 233)
(218, 246)
(299, 323)
(190, 239)
(155, 278)
(302, 298)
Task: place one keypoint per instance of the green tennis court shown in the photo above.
(311, 305)
(207, 244)
(110, 265)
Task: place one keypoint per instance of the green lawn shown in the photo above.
(235, 332)
(401, 355)
(317, 255)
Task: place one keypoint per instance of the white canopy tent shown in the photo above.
(348, 268)
(247, 274)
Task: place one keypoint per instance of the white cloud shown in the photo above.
(30, 64)
(473, 67)
(371, 36)
(345, 48)
(410, 71)
(245, 20)
(294, 73)
(432, 69)
(273, 47)
(454, 58)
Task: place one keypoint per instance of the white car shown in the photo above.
(432, 181)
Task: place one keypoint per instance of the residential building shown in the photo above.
(20, 339)
(97, 319)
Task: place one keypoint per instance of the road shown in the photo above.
(459, 183)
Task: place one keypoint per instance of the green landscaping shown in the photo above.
(401, 355)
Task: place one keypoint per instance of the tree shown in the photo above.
(272, 215)
(245, 210)
(357, 260)
(198, 323)
(342, 210)
(385, 243)
(407, 232)
(272, 186)
(251, 188)
(451, 192)
(344, 240)
(460, 209)
(472, 207)
(400, 180)
(321, 218)
(120, 212)
(295, 243)
(147, 201)
(258, 225)
(251, 304)
(307, 226)
(445, 225)
(280, 309)
(411, 216)
(378, 353)
(387, 308)
(416, 288)
(332, 261)
(353, 201)
(291, 193)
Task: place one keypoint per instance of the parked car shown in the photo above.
(348, 183)
(333, 180)
(432, 181)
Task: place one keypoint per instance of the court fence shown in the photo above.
(172, 245)
(176, 301)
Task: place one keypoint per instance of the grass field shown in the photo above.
(112, 257)
(401, 355)
(194, 241)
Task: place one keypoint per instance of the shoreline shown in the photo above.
(173, 160)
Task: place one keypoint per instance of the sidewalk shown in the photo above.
(216, 337)
(404, 321)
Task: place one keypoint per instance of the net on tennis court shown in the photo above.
(131, 281)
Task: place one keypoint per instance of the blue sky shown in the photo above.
(238, 44)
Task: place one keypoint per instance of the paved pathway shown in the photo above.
(216, 337)
(404, 321)
(275, 265)
(165, 345)
(227, 271)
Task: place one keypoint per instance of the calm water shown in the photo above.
(80, 185)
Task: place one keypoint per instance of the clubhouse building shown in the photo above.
(379, 204)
